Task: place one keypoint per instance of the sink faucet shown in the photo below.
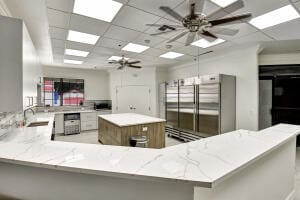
(24, 115)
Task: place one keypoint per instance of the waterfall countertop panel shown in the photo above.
(203, 163)
(129, 119)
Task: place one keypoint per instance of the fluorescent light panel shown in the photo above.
(73, 52)
(275, 17)
(100, 9)
(76, 62)
(82, 37)
(203, 43)
(137, 48)
(223, 3)
(171, 55)
(117, 58)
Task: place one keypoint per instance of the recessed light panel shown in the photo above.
(137, 48)
(76, 62)
(82, 37)
(117, 58)
(171, 55)
(99, 9)
(275, 17)
(203, 43)
(223, 3)
(73, 52)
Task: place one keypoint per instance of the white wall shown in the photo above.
(32, 69)
(136, 77)
(243, 64)
(279, 59)
(96, 82)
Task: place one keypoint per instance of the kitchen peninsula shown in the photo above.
(116, 129)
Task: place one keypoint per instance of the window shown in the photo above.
(63, 92)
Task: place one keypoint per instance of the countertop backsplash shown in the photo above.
(9, 121)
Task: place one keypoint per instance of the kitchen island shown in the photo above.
(239, 165)
(116, 129)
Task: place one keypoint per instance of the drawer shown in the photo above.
(89, 125)
(88, 116)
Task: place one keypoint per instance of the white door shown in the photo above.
(265, 104)
(133, 99)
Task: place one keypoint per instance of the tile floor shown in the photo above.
(91, 137)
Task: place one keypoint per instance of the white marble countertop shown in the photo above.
(129, 119)
(202, 163)
(82, 111)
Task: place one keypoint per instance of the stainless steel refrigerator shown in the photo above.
(200, 107)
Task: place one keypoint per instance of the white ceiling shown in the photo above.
(129, 26)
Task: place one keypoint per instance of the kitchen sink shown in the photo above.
(35, 124)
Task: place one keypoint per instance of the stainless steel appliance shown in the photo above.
(200, 107)
(72, 123)
(102, 106)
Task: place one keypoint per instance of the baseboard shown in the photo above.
(291, 196)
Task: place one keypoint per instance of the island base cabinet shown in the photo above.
(111, 134)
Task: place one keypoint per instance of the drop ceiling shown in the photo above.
(128, 26)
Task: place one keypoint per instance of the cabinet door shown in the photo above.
(11, 74)
(134, 99)
(88, 125)
(59, 123)
(88, 116)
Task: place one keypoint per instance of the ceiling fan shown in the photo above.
(206, 26)
(123, 62)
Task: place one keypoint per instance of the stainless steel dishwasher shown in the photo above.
(72, 123)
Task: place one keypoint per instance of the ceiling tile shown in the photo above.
(153, 52)
(88, 25)
(154, 40)
(285, 31)
(65, 5)
(59, 51)
(119, 33)
(79, 46)
(69, 57)
(153, 5)
(102, 51)
(111, 43)
(58, 33)
(297, 5)
(258, 7)
(58, 43)
(191, 50)
(255, 37)
(133, 18)
(58, 19)
(164, 46)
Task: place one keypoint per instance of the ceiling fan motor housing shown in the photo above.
(195, 22)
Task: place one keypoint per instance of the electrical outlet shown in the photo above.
(145, 129)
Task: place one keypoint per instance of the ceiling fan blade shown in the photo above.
(224, 31)
(160, 25)
(134, 66)
(226, 10)
(190, 38)
(172, 12)
(134, 62)
(113, 62)
(119, 68)
(161, 33)
(231, 20)
(199, 4)
(178, 36)
(208, 36)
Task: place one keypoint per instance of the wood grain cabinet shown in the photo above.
(111, 134)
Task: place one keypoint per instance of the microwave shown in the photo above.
(102, 106)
